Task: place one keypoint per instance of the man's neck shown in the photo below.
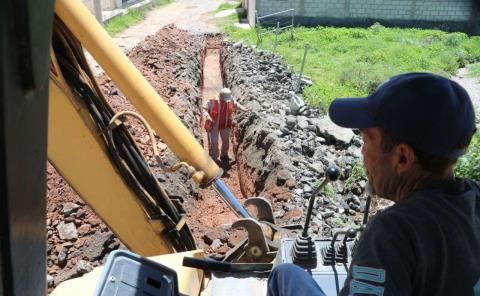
(417, 180)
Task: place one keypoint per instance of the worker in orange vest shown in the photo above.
(218, 115)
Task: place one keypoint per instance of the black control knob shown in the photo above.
(332, 173)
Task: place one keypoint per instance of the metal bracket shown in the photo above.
(257, 244)
(265, 211)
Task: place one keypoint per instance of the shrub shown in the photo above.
(468, 166)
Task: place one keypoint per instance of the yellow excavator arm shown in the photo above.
(80, 149)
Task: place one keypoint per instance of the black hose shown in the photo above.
(122, 150)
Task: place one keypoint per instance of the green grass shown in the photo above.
(468, 166)
(474, 70)
(233, 18)
(329, 191)
(227, 6)
(346, 62)
(358, 173)
(350, 62)
(120, 23)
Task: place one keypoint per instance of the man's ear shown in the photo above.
(403, 158)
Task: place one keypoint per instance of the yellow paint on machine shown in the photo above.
(79, 156)
(140, 93)
(190, 280)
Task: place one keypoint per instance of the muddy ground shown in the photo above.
(276, 153)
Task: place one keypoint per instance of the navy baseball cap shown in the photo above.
(429, 112)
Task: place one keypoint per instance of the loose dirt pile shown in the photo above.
(77, 239)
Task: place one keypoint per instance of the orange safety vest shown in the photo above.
(225, 110)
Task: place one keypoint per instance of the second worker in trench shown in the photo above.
(218, 114)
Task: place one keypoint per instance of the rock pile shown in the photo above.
(77, 240)
(287, 152)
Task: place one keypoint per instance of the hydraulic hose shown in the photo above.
(119, 144)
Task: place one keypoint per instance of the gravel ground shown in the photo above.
(472, 85)
(195, 16)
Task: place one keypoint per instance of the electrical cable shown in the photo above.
(120, 145)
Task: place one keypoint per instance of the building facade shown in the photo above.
(449, 15)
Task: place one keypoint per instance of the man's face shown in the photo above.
(378, 163)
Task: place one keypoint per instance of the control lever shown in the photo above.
(369, 191)
(303, 251)
(342, 250)
(330, 252)
(367, 206)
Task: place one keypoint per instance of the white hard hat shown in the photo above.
(226, 94)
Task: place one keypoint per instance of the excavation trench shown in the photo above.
(210, 217)
(274, 153)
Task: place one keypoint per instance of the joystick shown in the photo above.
(303, 251)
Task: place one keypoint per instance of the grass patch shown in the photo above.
(133, 16)
(329, 191)
(349, 62)
(358, 173)
(231, 19)
(227, 6)
(346, 62)
(468, 166)
(474, 70)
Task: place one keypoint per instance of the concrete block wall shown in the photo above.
(398, 12)
(106, 5)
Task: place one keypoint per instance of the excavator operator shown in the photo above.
(414, 128)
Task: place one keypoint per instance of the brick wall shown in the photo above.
(446, 14)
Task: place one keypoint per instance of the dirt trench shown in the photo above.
(210, 217)
(172, 61)
(274, 153)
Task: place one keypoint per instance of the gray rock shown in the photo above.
(302, 122)
(83, 267)
(50, 281)
(64, 275)
(282, 177)
(216, 244)
(96, 245)
(62, 257)
(306, 81)
(291, 122)
(354, 207)
(307, 189)
(327, 214)
(69, 208)
(362, 184)
(356, 189)
(355, 151)
(328, 129)
(279, 213)
(67, 231)
(80, 213)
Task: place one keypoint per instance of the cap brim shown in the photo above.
(352, 113)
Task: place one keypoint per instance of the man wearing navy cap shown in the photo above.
(414, 128)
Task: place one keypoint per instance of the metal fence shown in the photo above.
(274, 23)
